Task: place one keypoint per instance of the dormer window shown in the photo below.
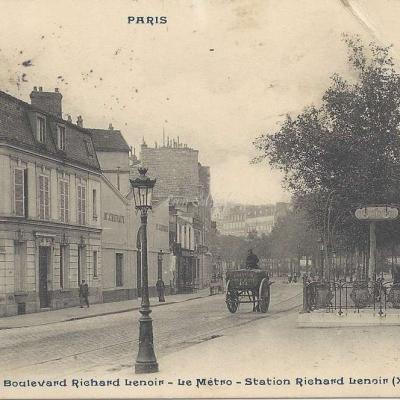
(89, 148)
(41, 129)
(61, 137)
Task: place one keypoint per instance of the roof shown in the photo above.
(17, 120)
(109, 140)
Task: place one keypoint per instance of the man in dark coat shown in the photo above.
(251, 260)
(160, 286)
(84, 294)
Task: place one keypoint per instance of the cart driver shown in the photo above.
(251, 260)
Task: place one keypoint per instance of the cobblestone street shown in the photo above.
(111, 341)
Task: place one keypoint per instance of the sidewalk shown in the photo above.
(267, 358)
(95, 310)
(271, 358)
(276, 350)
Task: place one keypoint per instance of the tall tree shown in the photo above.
(346, 151)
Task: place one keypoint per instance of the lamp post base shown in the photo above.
(146, 367)
(146, 361)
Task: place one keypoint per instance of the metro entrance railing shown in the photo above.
(343, 296)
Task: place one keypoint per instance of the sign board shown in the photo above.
(378, 213)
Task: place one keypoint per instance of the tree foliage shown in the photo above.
(292, 236)
(345, 152)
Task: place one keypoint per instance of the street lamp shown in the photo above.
(146, 361)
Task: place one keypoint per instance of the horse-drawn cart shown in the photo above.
(248, 286)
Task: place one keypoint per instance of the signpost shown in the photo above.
(378, 213)
(374, 214)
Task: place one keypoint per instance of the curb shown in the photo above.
(101, 314)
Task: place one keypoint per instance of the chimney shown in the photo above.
(79, 121)
(49, 102)
(110, 127)
(69, 118)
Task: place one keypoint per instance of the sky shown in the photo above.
(218, 74)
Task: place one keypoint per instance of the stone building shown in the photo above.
(120, 242)
(243, 220)
(260, 219)
(50, 231)
(113, 155)
(186, 184)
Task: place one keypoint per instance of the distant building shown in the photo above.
(232, 221)
(260, 219)
(244, 220)
(186, 184)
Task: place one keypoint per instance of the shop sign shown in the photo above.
(114, 218)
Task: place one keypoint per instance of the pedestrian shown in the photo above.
(160, 286)
(84, 294)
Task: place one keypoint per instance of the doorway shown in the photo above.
(44, 261)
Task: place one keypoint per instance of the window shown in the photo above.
(119, 258)
(44, 197)
(64, 200)
(21, 192)
(61, 137)
(94, 201)
(41, 129)
(89, 148)
(95, 264)
(81, 204)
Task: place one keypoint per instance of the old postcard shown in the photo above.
(199, 199)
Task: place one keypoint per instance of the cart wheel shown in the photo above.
(232, 299)
(264, 296)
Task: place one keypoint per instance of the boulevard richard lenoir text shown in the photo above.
(201, 382)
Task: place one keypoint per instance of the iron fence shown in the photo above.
(340, 296)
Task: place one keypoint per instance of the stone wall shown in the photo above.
(176, 170)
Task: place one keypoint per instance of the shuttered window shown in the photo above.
(94, 205)
(81, 204)
(19, 195)
(44, 197)
(64, 201)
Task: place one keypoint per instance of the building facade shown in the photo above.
(121, 241)
(113, 154)
(244, 220)
(50, 230)
(186, 184)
